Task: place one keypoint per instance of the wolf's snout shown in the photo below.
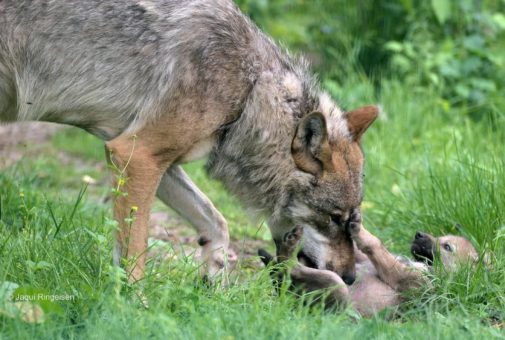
(349, 278)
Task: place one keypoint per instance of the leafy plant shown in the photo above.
(454, 47)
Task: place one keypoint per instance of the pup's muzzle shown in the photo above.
(423, 247)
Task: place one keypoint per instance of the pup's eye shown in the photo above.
(447, 246)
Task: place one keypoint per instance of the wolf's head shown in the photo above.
(327, 151)
(294, 156)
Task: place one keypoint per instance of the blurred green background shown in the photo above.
(453, 48)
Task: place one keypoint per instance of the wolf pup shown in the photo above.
(381, 276)
(168, 82)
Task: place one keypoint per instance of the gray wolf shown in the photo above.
(382, 277)
(165, 82)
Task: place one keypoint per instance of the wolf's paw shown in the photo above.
(216, 264)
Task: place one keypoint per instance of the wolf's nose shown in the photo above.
(419, 235)
(349, 278)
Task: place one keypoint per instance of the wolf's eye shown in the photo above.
(447, 246)
(336, 218)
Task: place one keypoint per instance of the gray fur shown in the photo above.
(112, 67)
(253, 157)
(108, 66)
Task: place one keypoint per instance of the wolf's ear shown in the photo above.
(310, 145)
(359, 120)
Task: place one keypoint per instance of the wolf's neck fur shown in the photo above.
(253, 158)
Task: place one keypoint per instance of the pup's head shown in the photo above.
(452, 250)
(327, 152)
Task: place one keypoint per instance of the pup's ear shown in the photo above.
(310, 146)
(359, 120)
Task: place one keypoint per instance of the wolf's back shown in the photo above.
(105, 65)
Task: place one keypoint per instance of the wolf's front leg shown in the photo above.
(178, 191)
(396, 274)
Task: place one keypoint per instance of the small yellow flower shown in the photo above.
(21, 194)
(121, 181)
(135, 208)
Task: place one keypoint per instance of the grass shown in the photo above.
(429, 167)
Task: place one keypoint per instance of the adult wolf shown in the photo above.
(164, 82)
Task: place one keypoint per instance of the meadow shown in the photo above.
(433, 163)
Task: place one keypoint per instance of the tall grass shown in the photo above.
(428, 168)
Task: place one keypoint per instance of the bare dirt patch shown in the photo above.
(17, 138)
(171, 229)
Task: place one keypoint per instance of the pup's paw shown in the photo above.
(293, 237)
(354, 223)
(289, 243)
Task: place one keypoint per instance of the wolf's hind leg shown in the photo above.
(178, 191)
(396, 274)
(140, 173)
